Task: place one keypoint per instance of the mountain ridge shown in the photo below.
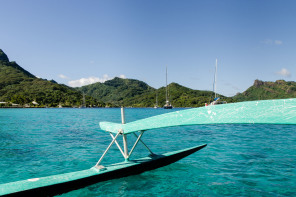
(20, 87)
(17, 85)
(135, 93)
(264, 90)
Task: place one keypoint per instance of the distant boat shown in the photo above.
(167, 102)
(35, 103)
(168, 105)
(216, 100)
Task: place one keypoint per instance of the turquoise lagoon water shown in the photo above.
(240, 160)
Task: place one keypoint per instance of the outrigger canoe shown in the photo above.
(255, 112)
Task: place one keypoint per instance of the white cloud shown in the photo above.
(284, 72)
(122, 76)
(272, 42)
(63, 76)
(278, 42)
(87, 81)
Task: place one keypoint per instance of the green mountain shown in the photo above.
(21, 87)
(261, 90)
(118, 92)
(3, 56)
(134, 93)
(181, 96)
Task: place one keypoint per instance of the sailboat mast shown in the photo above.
(215, 80)
(83, 101)
(166, 83)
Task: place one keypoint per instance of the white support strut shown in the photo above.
(118, 145)
(124, 136)
(108, 148)
(122, 116)
(125, 147)
(138, 139)
(144, 145)
(124, 152)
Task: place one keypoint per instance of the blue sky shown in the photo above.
(79, 42)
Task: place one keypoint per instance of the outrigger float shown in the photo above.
(281, 111)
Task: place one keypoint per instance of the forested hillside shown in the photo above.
(19, 86)
(117, 91)
(261, 90)
(135, 93)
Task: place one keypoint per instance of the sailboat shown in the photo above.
(216, 100)
(167, 102)
(83, 101)
(156, 103)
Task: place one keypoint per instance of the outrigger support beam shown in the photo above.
(117, 145)
(114, 139)
(138, 139)
(124, 152)
(125, 147)
(144, 144)
(124, 138)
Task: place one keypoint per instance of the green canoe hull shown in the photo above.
(58, 184)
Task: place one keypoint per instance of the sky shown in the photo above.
(81, 42)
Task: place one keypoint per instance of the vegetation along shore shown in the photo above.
(20, 88)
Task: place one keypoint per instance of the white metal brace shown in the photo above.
(124, 152)
(118, 145)
(108, 148)
(144, 143)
